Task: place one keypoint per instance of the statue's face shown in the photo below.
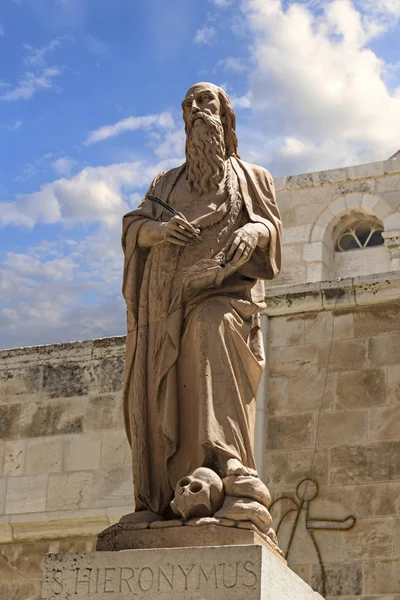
(201, 98)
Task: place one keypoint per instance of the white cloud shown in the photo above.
(16, 125)
(39, 76)
(63, 165)
(205, 35)
(232, 63)
(95, 194)
(163, 121)
(221, 3)
(317, 82)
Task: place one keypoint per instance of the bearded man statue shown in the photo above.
(193, 285)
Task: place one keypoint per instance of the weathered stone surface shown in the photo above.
(14, 458)
(65, 380)
(26, 494)
(290, 467)
(286, 331)
(393, 385)
(362, 388)
(52, 418)
(301, 394)
(102, 412)
(115, 450)
(292, 361)
(370, 539)
(343, 325)
(341, 579)
(384, 350)
(43, 456)
(109, 372)
(342, 355)
(342, 427)
(381, 499)
(69, 491)
(384, 423)
(376, 320)
(9, 421)
(291, 431)
(82, 452)
(365, 464)
(318, 326)
(382, 577)
(112, 487)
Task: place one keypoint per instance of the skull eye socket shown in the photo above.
(184, 482)
(195, 487)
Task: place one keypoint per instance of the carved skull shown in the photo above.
(200, 494)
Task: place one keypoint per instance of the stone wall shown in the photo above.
(334, 416)
(314, 204)
(65, 465)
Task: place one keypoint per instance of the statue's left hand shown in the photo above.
(246, 240)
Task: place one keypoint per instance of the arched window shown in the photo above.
(359, 234)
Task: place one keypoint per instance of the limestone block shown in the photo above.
(102, 412)
(384, 423)
(303, 571)
(397, 538)
(292, 361)
(290, 467)
(392, 222)
(115, 450)
(370, 539)
(382, 577)
(26, 494)
(393, 384)
(2, 447)
(352, 465)
(6, 534)
(82, 452)
(367, 170)
(384, 350)
(390, 202)
(294, 273)
(112, 487)
(381, 499)
(69, 491)
(288, 432)
(17, 383)
(369, 201)
(236, 572)
(317, 271)
(9, 421)
(109, 372)
(66, 379)
(342, 579)
(338, 206)
(388, 183)
(14, 458)
(280, 183)
(361, 389)
(3, 485)
(295, 235)
(343, 325)
(52, 417)
(318, 326)
(377, 320)
(286, 331)
(305, 393)
(43, 456)
(364, 186)
(303, 180)
(342, 427)
(342, 354)
(353, 200)
(333, 503)
(368, 262)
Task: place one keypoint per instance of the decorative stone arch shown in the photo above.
(319, 252)
(367, 204)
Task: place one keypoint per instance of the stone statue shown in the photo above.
(193, 288)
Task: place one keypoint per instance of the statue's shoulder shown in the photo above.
(256, 172)
(166, 176)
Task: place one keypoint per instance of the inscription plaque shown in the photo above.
(203, 573)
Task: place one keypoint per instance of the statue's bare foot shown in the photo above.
(235, 467)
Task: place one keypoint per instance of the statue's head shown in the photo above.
(210, 125)
(206, 99)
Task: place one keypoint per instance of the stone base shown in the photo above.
(176, 534)
(201, 573)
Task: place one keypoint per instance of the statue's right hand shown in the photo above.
(179, 231)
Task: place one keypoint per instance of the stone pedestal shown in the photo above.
(241, 572)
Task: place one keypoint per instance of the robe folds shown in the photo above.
(194, 353)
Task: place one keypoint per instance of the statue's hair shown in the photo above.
(228, 119)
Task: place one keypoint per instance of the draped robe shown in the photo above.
(194, 354)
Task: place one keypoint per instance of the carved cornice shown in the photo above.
(350, 292)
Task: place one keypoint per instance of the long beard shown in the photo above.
(205, 154)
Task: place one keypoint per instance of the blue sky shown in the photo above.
(90, 94)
